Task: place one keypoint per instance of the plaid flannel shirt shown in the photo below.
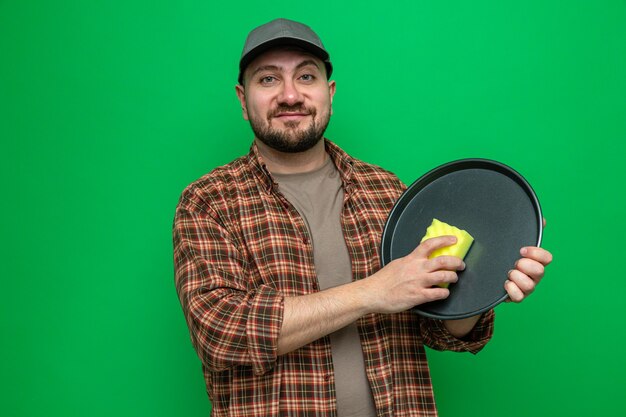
(240, 247)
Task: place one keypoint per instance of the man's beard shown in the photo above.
(291, 139)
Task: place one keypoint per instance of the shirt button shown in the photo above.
(305, 240)
(327, 377)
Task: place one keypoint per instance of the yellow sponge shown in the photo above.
(459, 249)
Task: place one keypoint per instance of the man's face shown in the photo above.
(287, 99)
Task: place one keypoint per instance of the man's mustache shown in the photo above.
(292, 109)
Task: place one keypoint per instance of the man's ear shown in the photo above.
(331, 91)
(241, 95)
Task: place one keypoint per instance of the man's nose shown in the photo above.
(290, 93)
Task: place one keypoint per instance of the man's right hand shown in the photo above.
(412, 280)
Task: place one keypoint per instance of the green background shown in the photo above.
(108, 109)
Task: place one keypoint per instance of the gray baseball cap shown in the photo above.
(282, 32)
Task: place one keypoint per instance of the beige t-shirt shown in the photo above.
(318, 197)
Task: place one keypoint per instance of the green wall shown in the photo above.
(109, 108)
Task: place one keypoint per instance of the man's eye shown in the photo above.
(307, 77)
(268, 79)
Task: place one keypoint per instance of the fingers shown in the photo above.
(442, 277)
(531, 268)
(528, 272)
(525, 283)
(428, 246)
(441, 269)
(516, 295)
(404, 283)
(538, 254)
(523, 279)
(451, 263)
(519, 285)
(436, 293)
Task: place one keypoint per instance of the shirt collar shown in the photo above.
(342, 161)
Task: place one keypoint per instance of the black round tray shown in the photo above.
(495, 204)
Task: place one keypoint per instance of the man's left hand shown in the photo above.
(528, 271)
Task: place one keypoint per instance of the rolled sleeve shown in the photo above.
(263, 328)
(436, 336)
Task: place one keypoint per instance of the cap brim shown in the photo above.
(299, 43)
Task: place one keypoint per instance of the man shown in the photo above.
(277, 264)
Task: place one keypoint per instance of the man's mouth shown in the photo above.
(291, 116)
